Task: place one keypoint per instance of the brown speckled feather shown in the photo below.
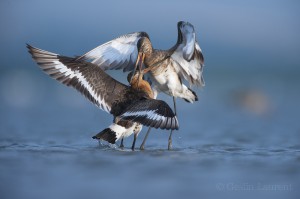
(104, 91)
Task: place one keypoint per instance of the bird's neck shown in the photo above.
(139, 84)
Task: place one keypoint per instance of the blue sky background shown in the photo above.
(240, 35)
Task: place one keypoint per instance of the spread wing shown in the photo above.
(87, 78)
(120, 53)
(151, 112)
(187, 58)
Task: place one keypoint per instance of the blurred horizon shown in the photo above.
(239, 40)
(233, 35)
(243, 129)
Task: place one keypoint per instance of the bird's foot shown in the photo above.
(132, 148)
(170, 141)
(142, 147)
(170, 145)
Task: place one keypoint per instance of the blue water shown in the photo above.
(223, 148)
(241, 139)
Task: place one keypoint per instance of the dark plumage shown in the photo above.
(104, 91)
(166, 68)
(107, 135)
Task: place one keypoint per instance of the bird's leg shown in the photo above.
(170, 137)
(170, 141)
(122, 145)
(142, 147)
(174, 101)
(133, 143)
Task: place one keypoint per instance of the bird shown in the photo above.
(128, 127)
(120, 130)
(128, 105)
(166, 68)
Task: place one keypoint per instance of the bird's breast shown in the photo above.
(166, 79)
(158, 67)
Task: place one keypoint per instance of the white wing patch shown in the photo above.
(100, 101)
(189, 70)
(50, 63)
(187, 59)
(71, 74)
(154, 113)
(150, 114)
(189, 39)
(119, 53)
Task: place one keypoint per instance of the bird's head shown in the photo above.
(144, 46)
(130, 77)
(137, 82)
(134, 76)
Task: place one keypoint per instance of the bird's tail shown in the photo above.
(189, 95)
(113, 133)
(108, 135)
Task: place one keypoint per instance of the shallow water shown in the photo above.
(88, 170)
(236, 141)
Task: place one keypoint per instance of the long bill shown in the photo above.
(136, 64)
(140, 67)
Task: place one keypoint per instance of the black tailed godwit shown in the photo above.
(130, 106)
(166, 68)
(136, 81)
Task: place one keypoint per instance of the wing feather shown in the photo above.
(187, 58)
(87, 78)
(151, 112)
(119, 53)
